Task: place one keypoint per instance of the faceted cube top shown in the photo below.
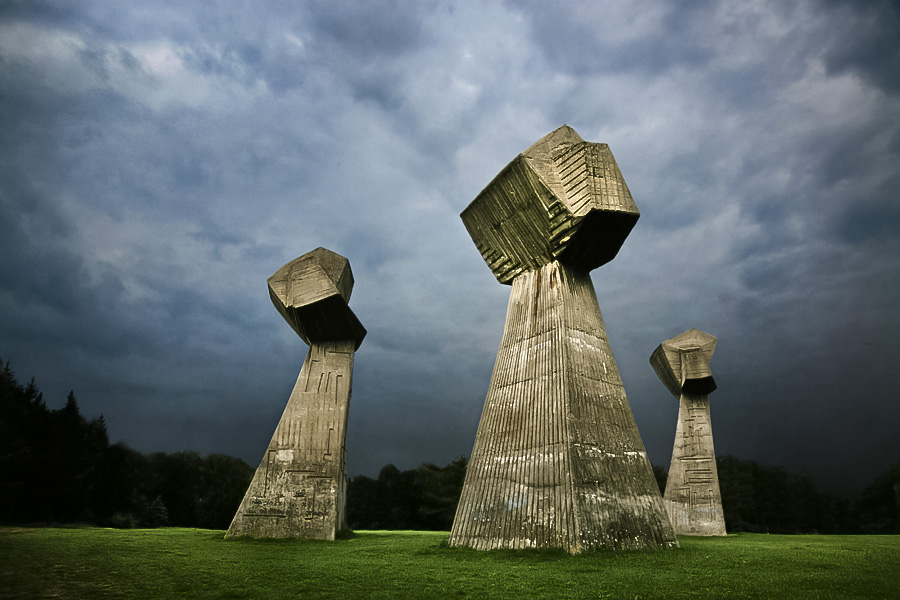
(561, 199)
(682, 363)
(311, 293)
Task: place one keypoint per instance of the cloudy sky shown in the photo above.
(162, 159)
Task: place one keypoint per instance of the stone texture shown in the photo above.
(561, 199)
(299, 489)
(312, 292)
(558, 460)
(692, 499)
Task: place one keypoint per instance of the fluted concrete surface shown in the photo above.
(558, 460)
(562, 198)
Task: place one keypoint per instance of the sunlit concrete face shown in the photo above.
(299, 489)
(558, 461)
(692, 499)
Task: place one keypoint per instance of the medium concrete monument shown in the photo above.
(692, 496)
(558, 461)
(299, 489)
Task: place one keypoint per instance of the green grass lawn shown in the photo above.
(197, 563)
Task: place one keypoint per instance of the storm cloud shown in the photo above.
(162, 159)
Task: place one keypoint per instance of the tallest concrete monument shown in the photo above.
(558, 460)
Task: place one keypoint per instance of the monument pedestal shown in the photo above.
(692, 497)
(300, 489)
(558, 460)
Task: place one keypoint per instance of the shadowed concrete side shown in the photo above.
(558, 461)
(692, 499)
(299, 488)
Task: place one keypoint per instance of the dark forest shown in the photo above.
(58, 468)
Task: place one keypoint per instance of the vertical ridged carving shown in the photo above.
(558, 460)
(692, 499)
(299, 489)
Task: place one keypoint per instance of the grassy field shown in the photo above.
(196, 563)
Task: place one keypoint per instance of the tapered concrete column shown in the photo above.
(299, 489)
(692, 499)
(558, 461)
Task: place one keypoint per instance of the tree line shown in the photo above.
(755, 498)
(58, 467)
(419, 499)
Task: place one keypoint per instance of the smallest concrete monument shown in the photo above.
(299, 489)
(692, 497)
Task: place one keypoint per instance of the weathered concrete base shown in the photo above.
(299, 489)
(558, 460)
(692, 497)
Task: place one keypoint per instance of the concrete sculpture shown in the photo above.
(558, 460)
(299, 489)
(692, 497)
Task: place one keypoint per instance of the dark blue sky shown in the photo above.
(162, 159)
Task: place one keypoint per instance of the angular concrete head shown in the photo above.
(561, 199)
(682, 363)
(311, 293)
